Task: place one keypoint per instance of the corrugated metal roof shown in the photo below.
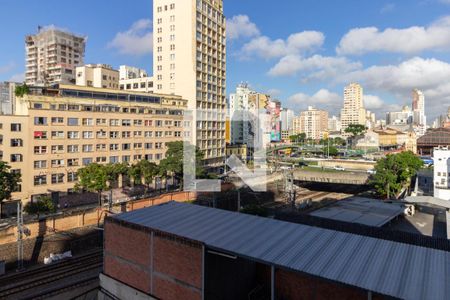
(391, 268)
(361, 210)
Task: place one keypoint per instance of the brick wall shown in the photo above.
(164, 266)
(294, 286)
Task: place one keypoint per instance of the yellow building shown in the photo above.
(55, 132)
(240, 150)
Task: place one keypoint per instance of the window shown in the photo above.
(73, 135)
(172, 37)
(88, 122)
(40, 164)
(57, 134)
(40, 180)
(72, 121)
(100, 159)
(101, 121)
(114, 147)
(137, 157)
(172, 18)
(137, 133)
(159, 123)
(113, 159)
(16, 127)
(158, 134)
(125, 158)
(57, 120)
(126, 146)
(40, 135)
(114, 122)
(126, 122)
(40, 121)
(88, 148)
(72, 148)
(16, 157)
(101, 134)
(73, 162)
(114, 134)
(88, 135)
(57, 163)
(57, 178)
(158, 145)
(148, 146)
(172, 6)
(57, 149)
(87, 161)
(148, 134)
(126, 134)
(72, 176)
(148, 123)
(137, 146)
(16, 142)
(100, 147)
(40, 149)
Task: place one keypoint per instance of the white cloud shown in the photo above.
(445, 1)
(430, 75)
(274, 92)
(387, 8)
(317, 66)
(410, 40)
(17, 77)
(296, 43)
(241, 26)
(322, 99)
(373, 102)
(136, 41)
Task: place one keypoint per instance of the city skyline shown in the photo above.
(304, 63)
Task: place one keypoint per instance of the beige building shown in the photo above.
(140, 84)
(52, 56)
(189, 59)
(99, 76)
(55, 133)
(314, 123)
(135, 79)
(353, 111)
(296, 125)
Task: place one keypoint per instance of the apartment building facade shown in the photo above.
(97, 75)
(189, 59)
(441, 158)
(52, 56)
(314, 123)
(7, 97)
(353, 111)
(135, 79)
(54, 134)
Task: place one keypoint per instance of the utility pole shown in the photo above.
(20, 231)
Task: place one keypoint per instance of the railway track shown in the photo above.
(49, 279)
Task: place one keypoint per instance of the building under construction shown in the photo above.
(52, 56)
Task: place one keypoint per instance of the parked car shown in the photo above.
(339, 168)
(371, 172)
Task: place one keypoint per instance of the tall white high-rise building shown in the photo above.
(287, 119)
(189, 59)
(52, 56)
(334, 124)
(353, 111)
(418, 107)
(441, 158)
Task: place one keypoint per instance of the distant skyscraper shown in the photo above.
(7, 98)
(287, 119)
(52, 56)
(403, 117)
(189, 59)
(334, 124)
(353, 111)
(418, 107)
(314, 123)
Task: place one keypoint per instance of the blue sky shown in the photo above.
(302, 52)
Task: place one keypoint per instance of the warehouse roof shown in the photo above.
(390, 268)
(360, 210)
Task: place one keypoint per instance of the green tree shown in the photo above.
(21, 90)
(355, 129)
(394, 173)
(149, 171)
(94, 178)
(332, 151)
(172, 165)
(113, 171)
(298, 138)
(43, 205)
(9, 181)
